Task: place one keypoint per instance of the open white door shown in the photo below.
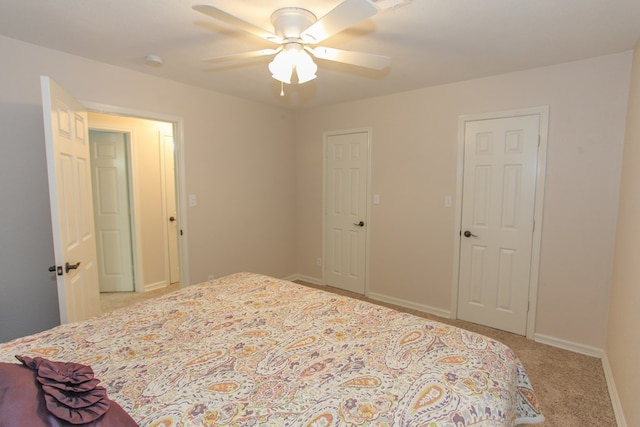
(70, 195)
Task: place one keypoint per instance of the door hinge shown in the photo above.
(57, 270)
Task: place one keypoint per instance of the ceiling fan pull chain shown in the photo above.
(281, 88)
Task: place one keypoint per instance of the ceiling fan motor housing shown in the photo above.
(290, 22)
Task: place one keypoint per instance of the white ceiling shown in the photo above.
(430, 42)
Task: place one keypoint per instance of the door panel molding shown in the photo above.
(69, 176)
(347, 252)
(112, 194)
(543, 113)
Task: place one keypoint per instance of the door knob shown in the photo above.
(68, 266)
(467, 233)
(172, 218)
(359, 224)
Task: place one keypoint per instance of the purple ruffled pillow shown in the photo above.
(45, 393)
(71, 392)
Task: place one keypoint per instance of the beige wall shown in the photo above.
(414, 168)
(253, 182)
(239, 161)
(623, 339)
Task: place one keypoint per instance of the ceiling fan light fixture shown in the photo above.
(296, 29)
(293, 57)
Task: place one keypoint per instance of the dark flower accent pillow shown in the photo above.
(45, 393)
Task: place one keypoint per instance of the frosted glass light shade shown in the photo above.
(305, 68)
(293, 57)
(281, 67)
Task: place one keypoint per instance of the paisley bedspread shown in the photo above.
(251, 350)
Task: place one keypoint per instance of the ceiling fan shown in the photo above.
(297, 31)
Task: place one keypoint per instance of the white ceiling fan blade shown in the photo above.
(217, 13)
(244, 55)
(367, 60)
(346, 14)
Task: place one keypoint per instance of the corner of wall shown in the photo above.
(568, 345)
(613, 392)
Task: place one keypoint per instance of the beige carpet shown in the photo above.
(571, 387)
(112, 300)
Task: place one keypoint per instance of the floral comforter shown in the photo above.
(250, 350)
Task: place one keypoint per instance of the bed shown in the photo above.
(251, 350)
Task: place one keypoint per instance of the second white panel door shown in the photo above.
(109, 152)
(500, 161)
(346, 176)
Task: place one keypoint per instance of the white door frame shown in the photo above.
(181, 198)
(368, 202)
(170, 204)
(543, 113)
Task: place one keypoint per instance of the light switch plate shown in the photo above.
(448, 201)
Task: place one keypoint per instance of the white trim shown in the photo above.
(154, 286)
(326, 134)
(303, 278)
(613, 392)
(130, 112)
(543, 113)
(181, 200)
(409, 304)
(181, 191)
(537, 217)
(163, 200)
(568, 345)
(457, 220)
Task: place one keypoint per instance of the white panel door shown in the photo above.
(500, 161)
(346, 175)
(70, 195)
(112, 210)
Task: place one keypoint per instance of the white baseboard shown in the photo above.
(568, 345)
(408, 304)
(613, 392)
(153, 286)
(303, 278)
